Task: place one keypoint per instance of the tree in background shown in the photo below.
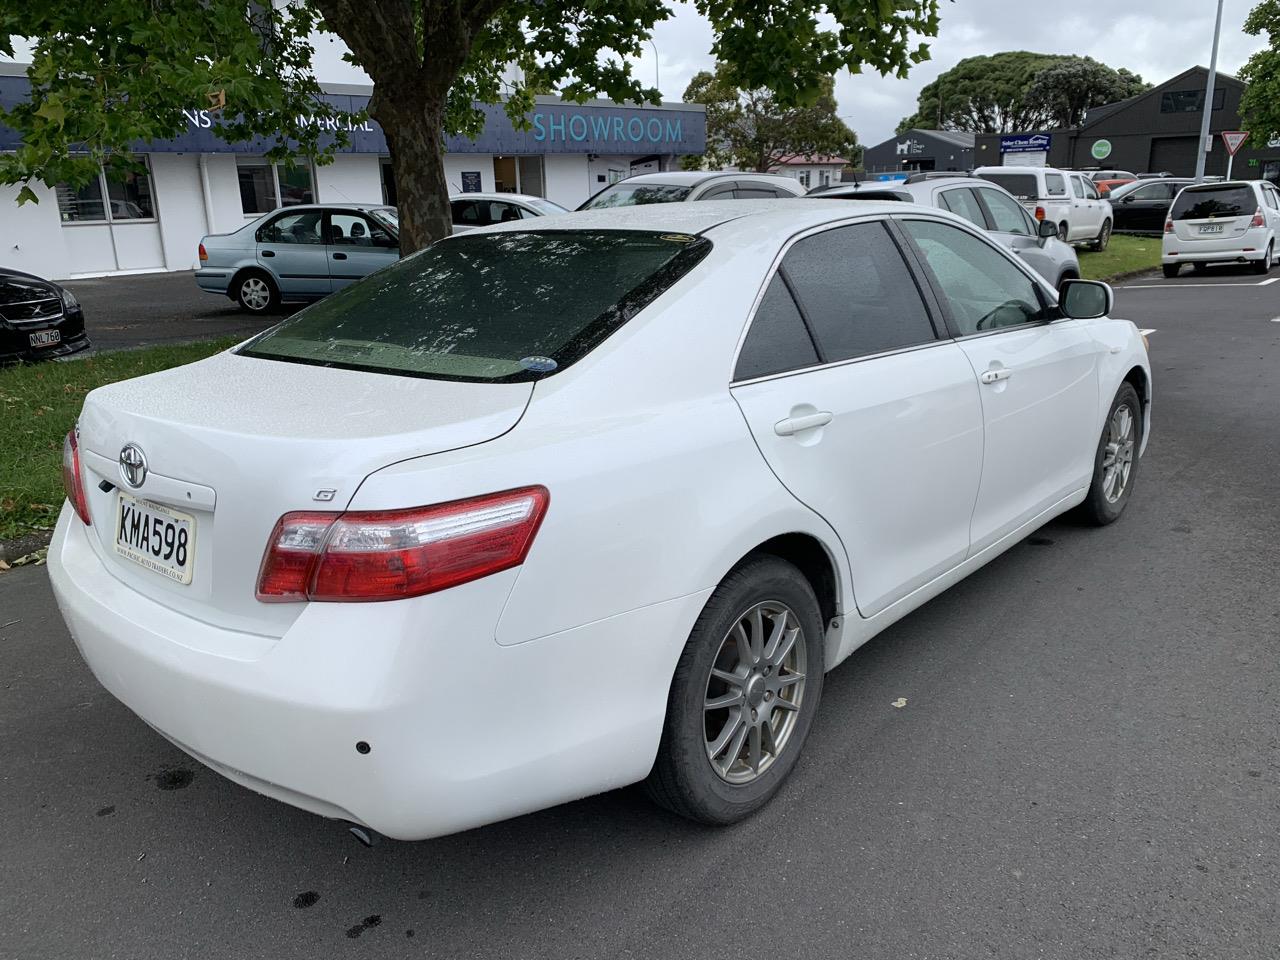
(1260, 106)
(753, 130)
(1018, 90)
(110, 75)
(1071, 87)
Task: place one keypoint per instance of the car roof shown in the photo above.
(691, 178)
(494, 195)
(750, 219)
(302, 207)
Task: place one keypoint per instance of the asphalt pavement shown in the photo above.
(146, 309)
(1087, 764)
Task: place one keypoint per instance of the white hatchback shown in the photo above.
(570, 503)
(1224, 222)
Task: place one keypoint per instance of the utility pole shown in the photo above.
(1208, 98)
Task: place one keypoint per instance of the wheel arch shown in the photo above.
(813, 559)
(244, 270)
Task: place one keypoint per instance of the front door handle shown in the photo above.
(339, 256)
(995, 376)
(793, 425)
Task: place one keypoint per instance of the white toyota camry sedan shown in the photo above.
(551, 508)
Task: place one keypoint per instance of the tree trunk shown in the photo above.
(415, 136)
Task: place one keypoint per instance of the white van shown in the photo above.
(1063, 197)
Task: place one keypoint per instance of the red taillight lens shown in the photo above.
(388, 555)
(71, 476)
(1168, 226)
(1258, 219)
(204, 254)
(1040, 214)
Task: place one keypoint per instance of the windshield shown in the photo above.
(1201, 203)
(500, 307)
(625, 194)
(388, 216)
(545, 207)
(1021, 185)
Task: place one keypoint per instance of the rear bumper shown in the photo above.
(462, 731)
(1252, 246)
(213, 281)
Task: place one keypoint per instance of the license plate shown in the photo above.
(45, 338)
(157, 537)
(1212, 228)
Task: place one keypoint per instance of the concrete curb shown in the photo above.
(11, 550)
(1146, 273)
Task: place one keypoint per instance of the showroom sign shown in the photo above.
(554, 127)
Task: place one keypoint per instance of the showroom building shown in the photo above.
(197, 183)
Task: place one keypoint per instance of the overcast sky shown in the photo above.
(1157, 39)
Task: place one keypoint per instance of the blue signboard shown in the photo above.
(887, 177)
(1025, 143)
(555, 127)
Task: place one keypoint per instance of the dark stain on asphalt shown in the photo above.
(307, 899)
(173, 778)
(368, 923)
(423, 894)
(409, 932)
(106, 811)
(1255, 773)
(1181, 529)
(1040, 542)
(1202, 868)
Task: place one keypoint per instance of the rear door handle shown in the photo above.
(268, 253)
(339, 256)
(995, 376)
(793, 425)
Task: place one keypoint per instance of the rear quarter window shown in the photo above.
(1024, 186)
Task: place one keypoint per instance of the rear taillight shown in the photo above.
(1040, 214)
(204, 254)
(71, 476)
(1168, 226)
(1258, 219)
(392, 554)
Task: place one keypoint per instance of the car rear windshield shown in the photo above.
(633, 194)
(1021, 185)
(1200, 203)
(487, 307)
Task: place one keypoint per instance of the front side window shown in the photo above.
(117, 193)
(963, 203)
(983, 289)
(1008, 214)
(303, 228)
(623, 194)
(1077, 188)
(856, 293)
(778, 340)
(356, 230)
(502, 307)
(1152, 191)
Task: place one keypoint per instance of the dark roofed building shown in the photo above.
(921, 150)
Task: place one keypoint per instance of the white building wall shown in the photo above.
(179, 200)
(456, 163)
(351, 178)
(32, 236)
(568, 182)
(224, 193)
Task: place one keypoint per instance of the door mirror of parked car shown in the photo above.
(1047, 229)
(1085, 299)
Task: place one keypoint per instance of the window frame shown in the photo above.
(107, 218)
(279, 213)
(1028, 221)
(928, 296)
(1049, 304)
(988, 220)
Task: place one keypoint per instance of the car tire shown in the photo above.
(256, 292)
(724, 787)
(1064, 231)
(1104, 237)
(1115, 465)
(1264, 265)
(1171, 269)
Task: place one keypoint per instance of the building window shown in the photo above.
(388, 182)
(824, 177)
(265, 186)
(1189, 101)
(116, 194)
(803, 177)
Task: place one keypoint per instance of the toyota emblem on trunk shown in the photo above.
(133, 465)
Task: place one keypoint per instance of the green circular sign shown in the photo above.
(1101, 149)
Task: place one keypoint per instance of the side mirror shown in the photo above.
(1046, 229)
(1128, 198)
(1085, 299)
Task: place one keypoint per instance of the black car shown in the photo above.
(1142, 206)
(38, 319)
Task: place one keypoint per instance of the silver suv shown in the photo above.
(983, 204)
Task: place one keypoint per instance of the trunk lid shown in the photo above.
(235, 442)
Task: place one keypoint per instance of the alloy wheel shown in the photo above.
(754, 692)
(255, 293)
(1117, 455)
